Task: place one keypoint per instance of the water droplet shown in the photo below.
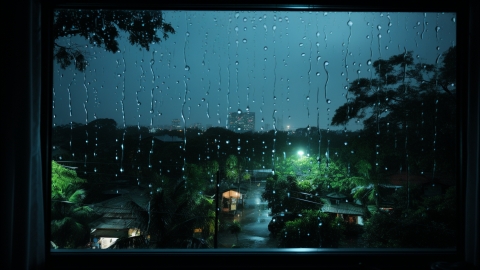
(265, 48)
(244, 40)
(303, 54)
(438, 48)
(369, 62)
(350, 23)
(239, 111)
(345, 143)
(368, 36)
(437, 28)
(329, 101)
(318, 58)
(301, 44)
(379, 27)
(318, 73)
(326, 63)
(187, 68)
(308, 98)
(379, 36)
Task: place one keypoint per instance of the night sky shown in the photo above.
(291, 67)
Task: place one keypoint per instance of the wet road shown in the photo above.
(254, 220)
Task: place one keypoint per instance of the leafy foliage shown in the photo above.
(173, 213)
(431, 224)
(69, 217)
(406, 106)
(101, 28)
(313, 229)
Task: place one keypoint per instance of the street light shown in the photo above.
(300, 153)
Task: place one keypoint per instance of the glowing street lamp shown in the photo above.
(300, 153)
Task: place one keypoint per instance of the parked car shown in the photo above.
(278, 221)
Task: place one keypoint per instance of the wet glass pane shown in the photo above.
(253, 129)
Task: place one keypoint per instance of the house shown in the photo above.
(118, 219)
(336, 204)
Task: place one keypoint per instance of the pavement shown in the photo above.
(254, 219)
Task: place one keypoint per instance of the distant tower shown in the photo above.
(241, 121)
(176, 124)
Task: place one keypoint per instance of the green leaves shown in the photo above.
(312, 229)
(69, 227)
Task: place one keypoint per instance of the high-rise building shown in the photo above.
(176, 124)
(241, 121)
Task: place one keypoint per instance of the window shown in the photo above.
(152, 157)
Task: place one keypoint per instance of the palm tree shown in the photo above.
(69, 217)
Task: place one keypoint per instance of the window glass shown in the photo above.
(253, 129)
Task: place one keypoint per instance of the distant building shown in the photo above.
(241, 122)
(176, 124)
(197, 126)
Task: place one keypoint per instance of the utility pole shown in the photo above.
(215, 237)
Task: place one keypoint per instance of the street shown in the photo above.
(254, 221)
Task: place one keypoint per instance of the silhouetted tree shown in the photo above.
(102, 29)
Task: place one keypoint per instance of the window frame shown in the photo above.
(379, 258)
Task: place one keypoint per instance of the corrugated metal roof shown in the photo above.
(343, 208)
(120, 204)
(115, 223)
(117, 212)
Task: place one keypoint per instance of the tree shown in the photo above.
(69, 217)
(173, 213)
(313, 229)
(101, 28)
(432, 224)
(408, 112)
